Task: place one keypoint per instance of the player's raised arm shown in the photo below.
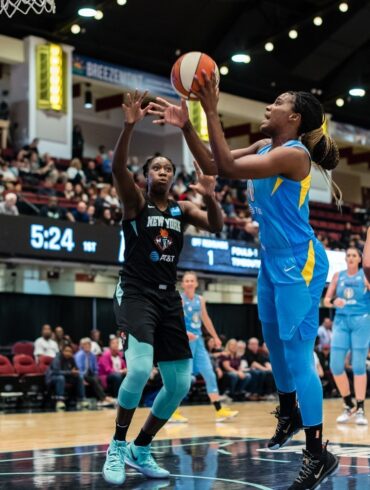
(211, 219)
(129, 193)
(366, 259)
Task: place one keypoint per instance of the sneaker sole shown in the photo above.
(228, 417)
(177, 421)
(110, 482)
(277, 446)
(148, 474)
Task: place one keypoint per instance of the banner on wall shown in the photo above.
(121, 76)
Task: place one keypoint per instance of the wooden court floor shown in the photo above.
(27, 431)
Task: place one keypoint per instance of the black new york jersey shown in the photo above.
(153, 242)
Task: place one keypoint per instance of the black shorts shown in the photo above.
(153, 316)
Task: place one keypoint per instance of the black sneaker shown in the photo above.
(286, 428)
(315, 471)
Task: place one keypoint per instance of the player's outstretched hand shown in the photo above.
(167, 113)
(205, 184)
(132, 107)
(208, 93)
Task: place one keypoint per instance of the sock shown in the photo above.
(217, 405)
(348, 401)
(143, 439)
(121, 431)
(287, 403)
(360, 404)
(314, 439)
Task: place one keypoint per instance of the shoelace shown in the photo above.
(309, 465)
(116, 459)
(281, 421)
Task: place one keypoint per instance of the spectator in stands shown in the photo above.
(61, 339)
(101, 201)
(33, 146)
(214, 355)
(88, 367)
(63, 370)
(77, 142)
(80, 194)
(327, 381)
(54, 211)
(112, 367)
(106, 167)
(68, 191)
(80, 213)
(48, 169)
(75, 174)
(346, 234)
(325, 333)
(107, 219)
(91, 212)
(230, 364)
(255, 387)
(45, 345)
(91, 174)
(8, 206)
(260, 363)
(101, 156)
(97, 345)
(112, 198)
(8, 173)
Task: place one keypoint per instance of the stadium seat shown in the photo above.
(23, 347)
(32, 380)
(10, 390)
(44, 363)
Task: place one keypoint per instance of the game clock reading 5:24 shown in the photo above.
(55, 238)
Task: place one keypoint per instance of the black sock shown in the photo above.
(217, 405)
(143, 439)
(360, 404)
(348, 401)
(314, 439)
(121, 432)
(287, 403)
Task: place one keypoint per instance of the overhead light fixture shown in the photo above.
(241, 58)
(269, 46)
(293, 34)
(88, 104)
(340, 102)
(343, 7)
(87, 12)
(121, 2)
(75, 29)
(357, 92)
(224, 70)
(99, 15)
(317, 21)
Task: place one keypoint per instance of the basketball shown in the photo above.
(186, 67)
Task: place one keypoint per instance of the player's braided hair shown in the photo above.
(322, 147)
(150, 160)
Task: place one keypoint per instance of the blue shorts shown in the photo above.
(202, 364)
(351, 332)
(290, 285)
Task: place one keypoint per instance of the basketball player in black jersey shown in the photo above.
(147, 306)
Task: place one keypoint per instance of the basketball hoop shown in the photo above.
(10, 7)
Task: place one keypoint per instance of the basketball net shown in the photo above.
(10, 7)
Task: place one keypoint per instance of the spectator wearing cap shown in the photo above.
(53, 211)
(8, 206)
(88, 366)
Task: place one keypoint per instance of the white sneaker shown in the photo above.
(345, 416)
(360, 418)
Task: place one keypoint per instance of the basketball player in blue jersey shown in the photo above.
(294, 265)
(349, 293)
(195, 312)
(147, 306)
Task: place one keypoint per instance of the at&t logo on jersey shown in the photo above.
(163, 240)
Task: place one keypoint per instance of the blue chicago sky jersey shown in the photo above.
(192, 313)
(354, 291)
(280, 206)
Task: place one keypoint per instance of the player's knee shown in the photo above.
(176, 377)
(359, 361)
(336, 366)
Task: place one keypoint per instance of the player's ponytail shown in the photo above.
(323, 149)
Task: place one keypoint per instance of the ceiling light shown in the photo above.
(121, 2)
(317, 21)
(99, 15)
(340, 102)
(357, 92)
(224, 70)
(87, 12)
(293, 34)
(241, 58)
(343, 7)
(75, 29)
(269, 46)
